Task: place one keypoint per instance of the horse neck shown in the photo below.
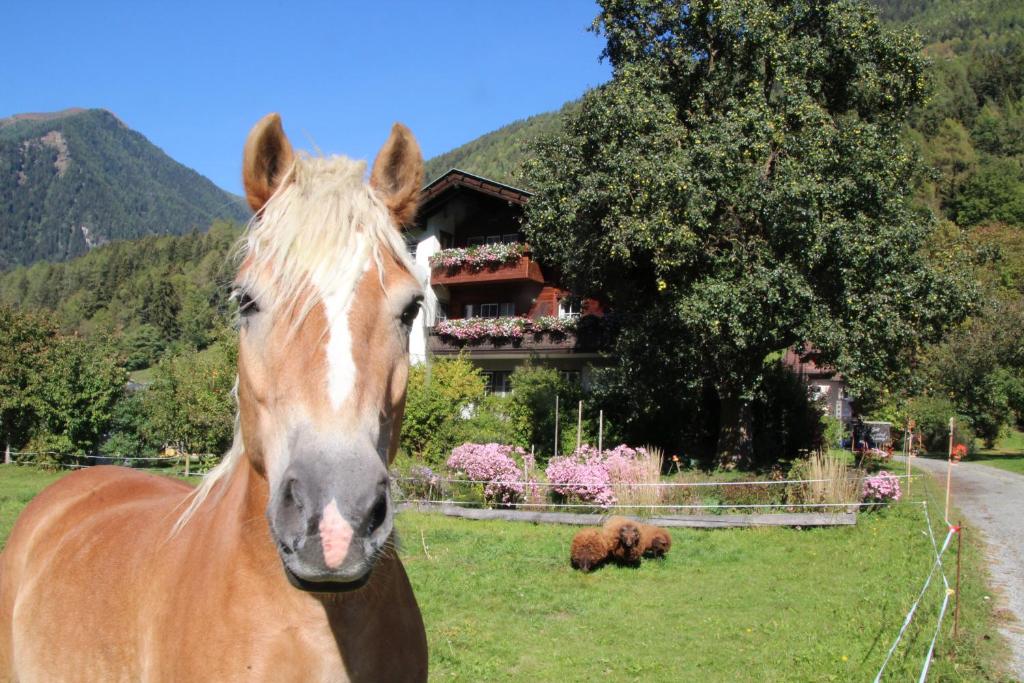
(234, 518)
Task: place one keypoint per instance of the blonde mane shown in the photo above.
(314, 238)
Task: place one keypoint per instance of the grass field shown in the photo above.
(1008, 453)
(502, 604)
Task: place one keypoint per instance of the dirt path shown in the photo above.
(992, 500)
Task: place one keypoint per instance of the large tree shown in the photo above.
(738, 187)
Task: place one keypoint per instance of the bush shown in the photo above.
(606, 478)
(881, 488)
(495, 466)
(932, 417)
(532, 405)
(440, 396)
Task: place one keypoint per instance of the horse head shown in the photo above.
(326, 297)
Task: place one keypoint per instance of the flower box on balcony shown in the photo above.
(501, 335)
(484, 263)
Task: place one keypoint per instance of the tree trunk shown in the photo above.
(7, 454)
(734, 432)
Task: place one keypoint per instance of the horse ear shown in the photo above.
(398, 174)
(267, 158)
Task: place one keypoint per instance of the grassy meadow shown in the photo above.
(502, 604)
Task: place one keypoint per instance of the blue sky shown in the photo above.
(194, 76)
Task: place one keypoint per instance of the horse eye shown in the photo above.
(246, 304)
(411, 311)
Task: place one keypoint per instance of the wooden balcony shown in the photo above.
(589, 339)
(523, 270)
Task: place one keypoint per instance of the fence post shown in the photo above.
(949, 469)
(908, 441)
(956, 609)
(556, 425)
(579, 426)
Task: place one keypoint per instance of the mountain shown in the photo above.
(499, 154)
(78, 178)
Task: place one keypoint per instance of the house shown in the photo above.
(495, 302)
(825, 386)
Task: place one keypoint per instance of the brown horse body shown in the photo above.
(103, 579)
(211, 603)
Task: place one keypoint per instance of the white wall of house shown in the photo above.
(428, 243)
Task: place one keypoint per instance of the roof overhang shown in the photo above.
(436, 192)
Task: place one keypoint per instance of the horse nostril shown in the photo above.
(291, 497)
(378, 514)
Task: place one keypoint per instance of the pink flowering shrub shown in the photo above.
(494, 465)
(478, 257)
(881, 488)
(590, 476)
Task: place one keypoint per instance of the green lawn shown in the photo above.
(501, 603)
(1008, 453)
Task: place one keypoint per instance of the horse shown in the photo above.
(281, 565)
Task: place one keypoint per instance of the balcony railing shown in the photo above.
(485, 263)
(515, 335)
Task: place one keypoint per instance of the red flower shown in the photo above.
(959, 451)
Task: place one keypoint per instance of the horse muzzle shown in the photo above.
(330, 518)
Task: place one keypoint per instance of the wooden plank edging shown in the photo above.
(696, 521)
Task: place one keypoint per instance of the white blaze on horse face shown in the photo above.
(341, 367)
(335, 535)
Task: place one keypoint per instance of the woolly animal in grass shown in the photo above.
(654, 541)
(590, 549)
(624, 537)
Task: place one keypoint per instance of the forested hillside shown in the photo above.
(145, 295)
(71, 181)
(498, 155)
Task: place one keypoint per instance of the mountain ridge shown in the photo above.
(74, 179)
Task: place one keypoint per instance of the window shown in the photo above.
(489, 310)
(475, 241)
(493, 239)
(512, 237)
(441, 311)
(569, 307)
(570, 377)
(498, 382)
(446, 239)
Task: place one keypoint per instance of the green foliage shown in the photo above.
(752, 197)
(128, 430)
(931, 414)
(994, 193)
(74, 394)
(498, 155)
(145, 293)
(190, 405)
(88, 172)
(25, 337)
(439, 397)
(488, 422)
(981, 368)
(532, 407)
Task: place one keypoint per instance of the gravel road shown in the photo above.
(992, 500)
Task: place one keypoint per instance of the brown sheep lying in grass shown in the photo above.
(624, 537)
(590, 548)
(654, 541)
